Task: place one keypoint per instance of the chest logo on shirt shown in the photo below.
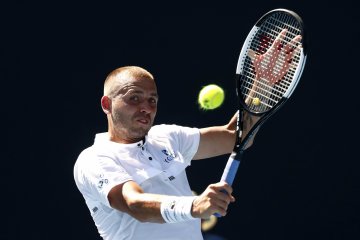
(169, 156)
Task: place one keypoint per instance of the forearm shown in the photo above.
(215, 141)
(178, 209)
(147, 207)
(130, 198)
(220, 140)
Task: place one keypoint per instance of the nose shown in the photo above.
(147, 107)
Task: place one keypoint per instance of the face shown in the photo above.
(133, 109)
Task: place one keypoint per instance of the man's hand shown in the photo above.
(249, 121)
(215, 199)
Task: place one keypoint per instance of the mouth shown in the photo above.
(145, 121)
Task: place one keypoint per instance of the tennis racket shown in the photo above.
(269, 68)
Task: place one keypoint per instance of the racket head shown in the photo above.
(279, 26)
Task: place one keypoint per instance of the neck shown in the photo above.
(122, 138)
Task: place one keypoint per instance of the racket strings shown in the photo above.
(266, 93)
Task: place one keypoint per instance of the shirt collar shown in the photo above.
(103, 140)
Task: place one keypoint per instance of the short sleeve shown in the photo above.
(188, 141)
(183, 139)
(95, 176)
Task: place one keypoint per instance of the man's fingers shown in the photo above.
(222, 186)
(227, 188)
(221, 202)
(215, 199)
(224, 192)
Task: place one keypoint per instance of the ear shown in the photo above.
(106, 104)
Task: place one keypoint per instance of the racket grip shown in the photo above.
(231, 168)
(230, 171)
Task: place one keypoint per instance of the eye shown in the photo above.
(135, 98)
(153, 101)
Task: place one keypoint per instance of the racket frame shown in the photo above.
(241, 141)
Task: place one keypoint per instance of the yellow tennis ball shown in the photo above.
(256, 101)
(211, 97)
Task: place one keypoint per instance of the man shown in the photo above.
(133, 177)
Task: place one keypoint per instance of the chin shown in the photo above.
(140, 133)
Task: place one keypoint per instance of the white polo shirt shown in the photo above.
(156, 164)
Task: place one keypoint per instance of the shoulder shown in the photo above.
(170, 130)
(93, 158)
(85, 160)
(178, 136)
(164, 128)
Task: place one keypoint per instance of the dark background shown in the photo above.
(300, 179)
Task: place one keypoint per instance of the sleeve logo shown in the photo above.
(102, 181)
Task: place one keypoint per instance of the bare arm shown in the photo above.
(145, 207)
(219, 140)
(131, 199)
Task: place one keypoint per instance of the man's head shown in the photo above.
(130, 102)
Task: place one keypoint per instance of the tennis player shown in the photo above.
(133, 177)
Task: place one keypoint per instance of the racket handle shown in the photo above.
(230, 170)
